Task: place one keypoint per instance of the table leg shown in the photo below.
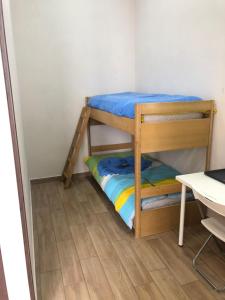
(182, 215)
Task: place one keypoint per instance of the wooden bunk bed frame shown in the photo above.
(158, 136)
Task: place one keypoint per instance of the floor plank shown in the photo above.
(54, 196)
(80, 189)
(48, 253)
(70, 264)
(97, 283)
(198, 291)
(88, 214)
(61, 228)
(133, 265)
(144, 250)
(215, 269)
(52, 286)
(43, 220)
(149, 292)
(168, 285)
(117, 277)
(72, 213)
(183, 273)
(96, 203)
(113, 227)
(77, 292)
(83, 242)
(40, 196)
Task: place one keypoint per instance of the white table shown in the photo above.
(209, 191)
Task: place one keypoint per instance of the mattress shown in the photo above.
(123, 104)
(120, 188)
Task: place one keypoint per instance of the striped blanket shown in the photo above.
(120, 188)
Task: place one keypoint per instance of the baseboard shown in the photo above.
(59, 178)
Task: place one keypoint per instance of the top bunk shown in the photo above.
(158, 122)
(123, 104)
(120, 110)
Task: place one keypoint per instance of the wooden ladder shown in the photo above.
(75, 146)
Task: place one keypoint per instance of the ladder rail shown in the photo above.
(74, 138)
(75, 146)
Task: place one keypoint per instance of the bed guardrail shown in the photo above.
(166, 135)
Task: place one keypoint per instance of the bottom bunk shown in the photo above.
(114, 173)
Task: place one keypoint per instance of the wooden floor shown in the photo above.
(84, 251)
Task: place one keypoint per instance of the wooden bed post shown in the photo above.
(137, 150)
(209, 147)
(88, 131)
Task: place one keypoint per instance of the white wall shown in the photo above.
(180, 48)
(20, 132)
(67, 50)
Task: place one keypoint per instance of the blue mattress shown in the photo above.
(123, 104)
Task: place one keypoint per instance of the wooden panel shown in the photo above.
(174, 135)
(169, 216)
(160, 190)
(101, 148)
(122, 123)
(176, 108)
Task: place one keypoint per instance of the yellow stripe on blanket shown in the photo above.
(123, 198)
(125, 195)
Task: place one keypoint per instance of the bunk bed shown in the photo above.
(187, 123)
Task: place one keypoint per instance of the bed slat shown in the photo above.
(101, 148)
(121, 123)
(160, 190)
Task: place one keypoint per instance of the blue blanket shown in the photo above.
(123, 104)
(120, 165)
